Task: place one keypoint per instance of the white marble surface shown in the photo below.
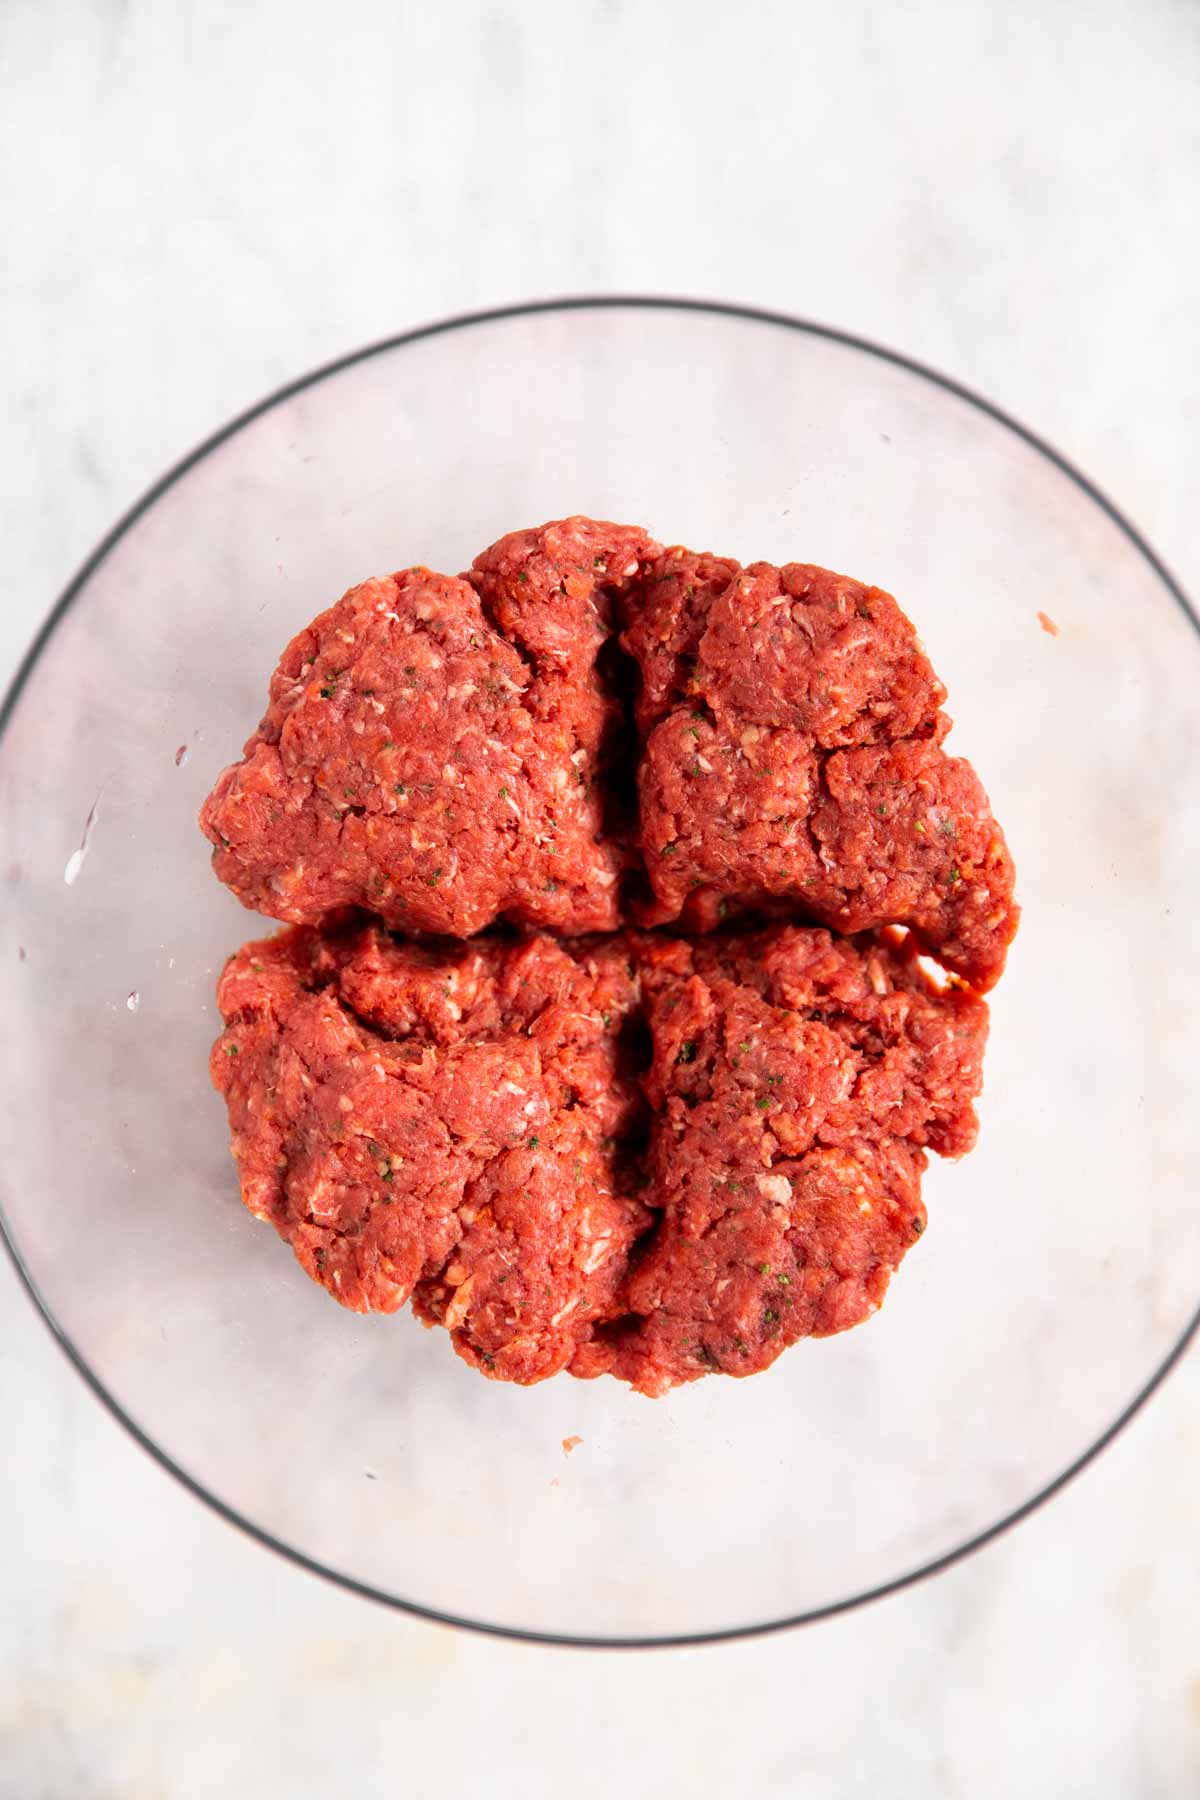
(201, 202)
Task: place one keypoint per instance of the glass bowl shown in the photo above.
(1058, 1278)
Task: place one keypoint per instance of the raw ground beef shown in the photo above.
(437, 750)
(410, 1115)
(797, 1081)
(668, 1139)
(793, 752)
(448, 753)
(633, 1154)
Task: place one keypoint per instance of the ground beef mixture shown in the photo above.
(634, 1154)
(448, 1121)
(793, 751)
(796, 1082)
(621, 1148)
(436, 750)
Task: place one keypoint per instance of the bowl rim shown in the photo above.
(457, 322)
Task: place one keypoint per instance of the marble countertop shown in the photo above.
(201, 203)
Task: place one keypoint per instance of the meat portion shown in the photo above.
(551, 592)
(904, 832)
(794, 754)
(631, 1155)
(450, 1121)
(798, 647)
(417, 761)
(450, 753)
(614, 1150)
(666, 620)
(797, 1082)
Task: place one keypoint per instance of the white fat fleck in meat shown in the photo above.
(449, 773)
(458, 1308)
(848, 644)
(322, 1207)
(775, 1187)
(596, 1255)
(565, 1311)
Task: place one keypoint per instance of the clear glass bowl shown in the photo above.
(1058, 1278)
